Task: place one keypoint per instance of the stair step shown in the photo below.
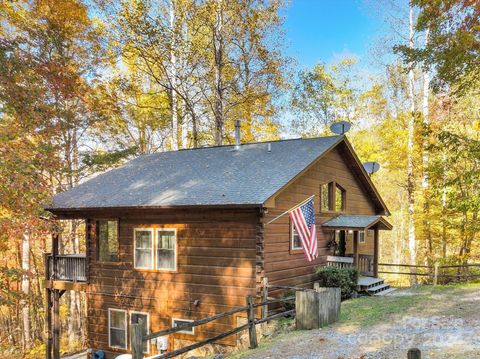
(368, 282)
(385, 292)
(378, 288)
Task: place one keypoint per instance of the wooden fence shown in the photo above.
(324, 305)
(435, 272)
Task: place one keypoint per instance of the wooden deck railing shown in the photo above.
(69, 267)
(365, 263)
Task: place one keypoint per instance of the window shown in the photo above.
(166, 248)
(295, 242)
(134, 319)
(361, 237)
(332, 197)
(107, 241)
(339, 198)
(325, 197)
(177, 322)
(370, 233)
(143, 242)
(117, 328)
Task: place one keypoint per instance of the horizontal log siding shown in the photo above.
(285, 267)
(216, 264)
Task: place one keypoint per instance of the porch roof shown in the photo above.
(358, 222)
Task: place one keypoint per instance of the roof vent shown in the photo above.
(237, 134)
(269, 147)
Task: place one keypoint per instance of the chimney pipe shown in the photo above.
(237, 134)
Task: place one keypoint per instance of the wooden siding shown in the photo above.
(286, 267)
(216, 265)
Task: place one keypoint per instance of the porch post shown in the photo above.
(56, 298)
(375, 252)
(355, 249)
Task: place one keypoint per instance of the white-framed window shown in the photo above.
(361, 237)
(145, 317)
(166, 249)
(117, 328)
(295, 242)
(177, 322)
(143, 248)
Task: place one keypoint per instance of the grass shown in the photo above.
(367, 311)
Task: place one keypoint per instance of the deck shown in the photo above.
(69, 272)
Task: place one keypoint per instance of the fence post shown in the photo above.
(252, 333)
(414, 353)
(435, 274)
(136, 341)
(265, 298)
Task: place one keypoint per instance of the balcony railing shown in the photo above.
(69, 267)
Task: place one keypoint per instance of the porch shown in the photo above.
(355, 242)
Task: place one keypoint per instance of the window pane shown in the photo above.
(134, 317)
(143, 249)
(118, 328)
(178, 322)
(324, 200)
(166, 250)
(107, 241)
(339, 205)
(296, 243)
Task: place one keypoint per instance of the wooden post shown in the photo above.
(265, 298)
(252, 333)
(355, 249)
(56, 324)
(435, 274)
(414, 353)
(375, 252)
(48, 312)
(306, 310)
(136, 340)
(56, 299)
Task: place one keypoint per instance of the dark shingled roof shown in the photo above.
(356, 221)
(205, 176)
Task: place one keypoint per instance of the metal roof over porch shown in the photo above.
(357, 222)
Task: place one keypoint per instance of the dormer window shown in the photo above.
(332, 197)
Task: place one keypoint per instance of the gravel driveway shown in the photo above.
(443, 321)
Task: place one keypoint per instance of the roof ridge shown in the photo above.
(242, 144)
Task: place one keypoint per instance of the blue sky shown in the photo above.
(325, 30)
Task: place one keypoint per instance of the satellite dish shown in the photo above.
(371, 167)
(340, 127)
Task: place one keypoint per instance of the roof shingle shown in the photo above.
(205, 176)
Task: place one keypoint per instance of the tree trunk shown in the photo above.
(410, 154)
(173, 74)
(218, 90)
(24, 303)
(444, 205)
(425, 158)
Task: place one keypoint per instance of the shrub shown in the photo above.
(343, 278)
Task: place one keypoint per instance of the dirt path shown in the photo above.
(444, 322)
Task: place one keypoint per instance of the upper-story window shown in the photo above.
(107, 240)
(339, 198)
(166, 248)
(332, 197)
(155, 253)
(295, 242)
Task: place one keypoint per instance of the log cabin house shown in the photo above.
(178, 236)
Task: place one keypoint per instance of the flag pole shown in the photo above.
(291, 209)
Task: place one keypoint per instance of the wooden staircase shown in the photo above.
(373, 286)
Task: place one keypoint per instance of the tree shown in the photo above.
(454, 45)
(325, 95)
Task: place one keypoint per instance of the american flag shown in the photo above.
(303, 218)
